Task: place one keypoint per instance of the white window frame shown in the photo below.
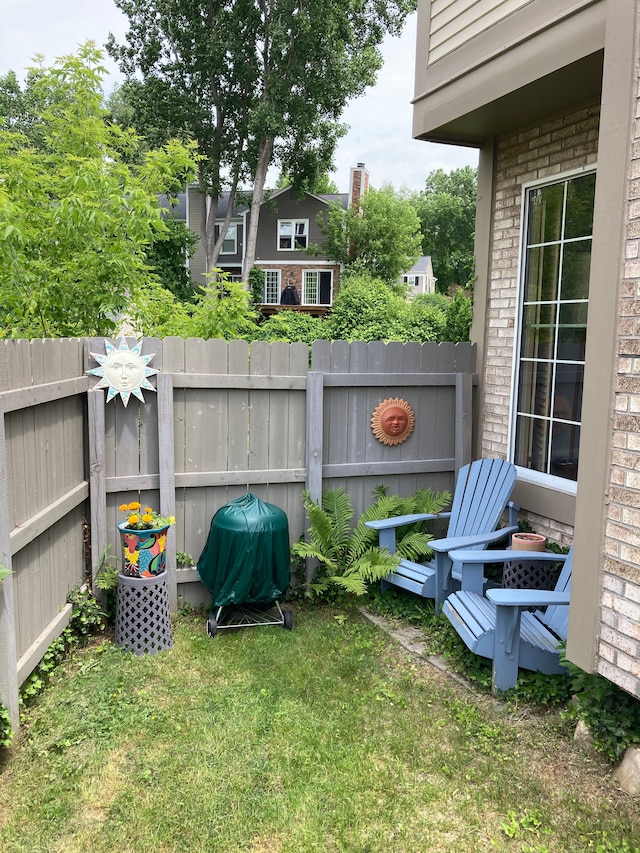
(316, 272)
(277, 274)
(528, 475)
(295, 223)
(233, 227)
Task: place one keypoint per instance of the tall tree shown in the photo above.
(75, 219)
(254, 82)
(381, 237)
(447, 211)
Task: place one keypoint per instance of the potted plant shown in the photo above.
(144, 539)
(143, 622)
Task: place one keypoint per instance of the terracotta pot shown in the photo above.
(528, 542)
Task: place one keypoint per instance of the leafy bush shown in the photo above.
(6, 735)
(256, 285)
(611, 714)
(293, 327)
(365, 309)
(459, 314)
(349, 558)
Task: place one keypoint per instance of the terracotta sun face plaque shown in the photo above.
(392, 421)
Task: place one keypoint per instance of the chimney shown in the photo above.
(358, 184)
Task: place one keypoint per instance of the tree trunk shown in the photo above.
(264, 159)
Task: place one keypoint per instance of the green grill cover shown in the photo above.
(246, 558)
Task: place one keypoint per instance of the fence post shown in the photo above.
(315, 408)
(97, 479)
(463, 420)
(8, 649)
(166, 469)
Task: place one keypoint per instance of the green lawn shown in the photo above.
(327, 738)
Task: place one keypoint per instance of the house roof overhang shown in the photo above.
(511, 76)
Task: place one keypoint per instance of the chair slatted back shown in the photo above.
(483, 489)
(556, 616)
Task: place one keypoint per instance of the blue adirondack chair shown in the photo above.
(505, 626)
(481, 496)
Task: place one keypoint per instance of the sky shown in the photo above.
(380, 121)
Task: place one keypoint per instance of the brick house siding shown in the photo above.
(619, 647)
(557, 146)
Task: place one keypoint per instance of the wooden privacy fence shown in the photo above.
(227, 418)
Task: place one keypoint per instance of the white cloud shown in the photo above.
(380, 121)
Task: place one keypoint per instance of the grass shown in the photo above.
(326, 738)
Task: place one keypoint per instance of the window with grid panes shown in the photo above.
(553, 325)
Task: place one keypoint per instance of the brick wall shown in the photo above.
(559, 145)
(619, 648)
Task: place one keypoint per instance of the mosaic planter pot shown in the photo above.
(144, 551)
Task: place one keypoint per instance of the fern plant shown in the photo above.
(348, 556)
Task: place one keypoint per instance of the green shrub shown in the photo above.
(611, 714)
(349, 557)
(6, 735)
(292, 327)
(459, 314)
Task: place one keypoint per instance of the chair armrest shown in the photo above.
(401, 520)
(462, 556)
(456, 542)
(526, 597)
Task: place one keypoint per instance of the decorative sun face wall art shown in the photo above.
(392, 421)
(123, 370)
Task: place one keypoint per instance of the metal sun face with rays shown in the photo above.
(123, 371)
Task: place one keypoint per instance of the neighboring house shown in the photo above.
(420, 278)
(548, 91)
(287, 226)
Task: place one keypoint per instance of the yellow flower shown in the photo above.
(123, 507)
(172, 519)
(133, 519)
(147, 517)
(134, 505)
(148, 509)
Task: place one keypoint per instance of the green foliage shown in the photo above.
(86, 615)
(76, 220)
(6, 735)
(447, 211)
(611, 715)
(256, 285)
(4, 571)
(87, 618)
(382, 236)
(221, 309)
(166, 257)
(320, 184)
(293, 327)
(252, 83)
(459, 314)
(349, 556)
(367, 309)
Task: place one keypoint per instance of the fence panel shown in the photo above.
(227, 418)
(42, 388)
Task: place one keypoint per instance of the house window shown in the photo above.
(271, 287)
(230, 244)
(316, 287)
(553, 325)
(292, 234)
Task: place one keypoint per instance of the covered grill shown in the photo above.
(245, 565)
